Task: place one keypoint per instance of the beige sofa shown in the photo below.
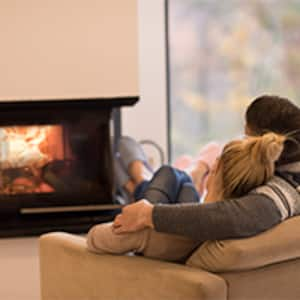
(265, 267)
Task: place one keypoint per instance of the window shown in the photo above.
(222, 54)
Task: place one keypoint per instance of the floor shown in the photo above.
(19, 269)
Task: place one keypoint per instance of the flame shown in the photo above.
(20, 146)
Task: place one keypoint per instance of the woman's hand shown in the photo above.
(134, 217)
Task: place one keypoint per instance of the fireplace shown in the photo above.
(56, 165)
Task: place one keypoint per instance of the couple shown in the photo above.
(257, 177)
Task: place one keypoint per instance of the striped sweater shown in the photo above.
(284, 190)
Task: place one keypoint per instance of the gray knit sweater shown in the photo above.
(258, 211)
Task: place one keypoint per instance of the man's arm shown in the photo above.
(234, 218)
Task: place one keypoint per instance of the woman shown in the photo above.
(243, 165)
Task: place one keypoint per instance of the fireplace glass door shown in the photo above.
(59, 161)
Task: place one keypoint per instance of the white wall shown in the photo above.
(19, 275)
(19, 269)
(148, 119)
(68, 49)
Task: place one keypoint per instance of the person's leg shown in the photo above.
(134, 160)
(134, 188)
(202, 164)
(102, 240)
(130, 158)
(124, 184)
(139, 172)
(157, 189)
(161, 180)
(135, 163)
(188, 194)
(168, 247)
(165, 185)
(199, 172)
(129, 186)
(141, 177)
(139, 191)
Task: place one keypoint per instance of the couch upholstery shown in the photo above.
(265, 267)
(278, 244)
(70, 272)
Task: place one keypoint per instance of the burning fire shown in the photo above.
(20, 146)
(24, 150)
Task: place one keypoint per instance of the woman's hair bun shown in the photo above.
(272, 145)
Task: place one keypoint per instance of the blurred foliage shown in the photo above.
(223, 55)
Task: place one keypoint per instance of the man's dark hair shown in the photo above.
(273, 113)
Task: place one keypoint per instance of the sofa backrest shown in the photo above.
(278, 244)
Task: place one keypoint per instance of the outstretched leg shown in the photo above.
(165, 187)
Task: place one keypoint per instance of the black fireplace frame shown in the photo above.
(22, 218)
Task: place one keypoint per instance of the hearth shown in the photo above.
(56, 164)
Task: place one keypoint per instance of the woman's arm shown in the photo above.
(234, 218)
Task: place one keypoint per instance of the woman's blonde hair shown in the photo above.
(249, 163)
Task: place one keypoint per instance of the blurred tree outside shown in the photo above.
(223, 54)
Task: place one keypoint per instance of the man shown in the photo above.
(233, 218)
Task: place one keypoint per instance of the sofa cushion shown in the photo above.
(278, 244)
(70, 272)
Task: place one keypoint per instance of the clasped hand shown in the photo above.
(134, 217)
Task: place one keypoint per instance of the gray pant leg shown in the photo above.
(188, 194)
(166, 185)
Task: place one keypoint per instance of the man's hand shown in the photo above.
(134, 217)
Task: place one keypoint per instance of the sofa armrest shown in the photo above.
(70, 272)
